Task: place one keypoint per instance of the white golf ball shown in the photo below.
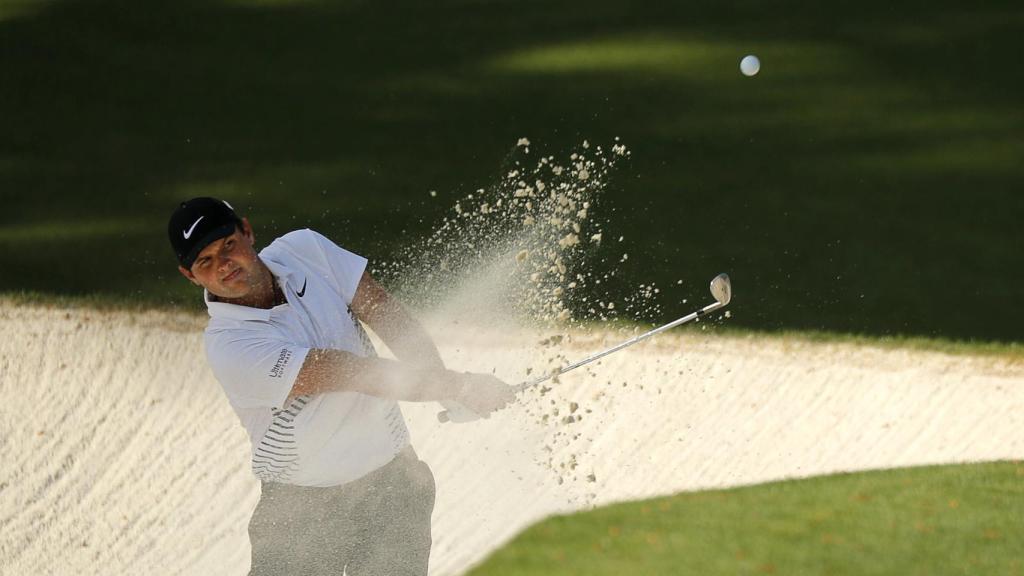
(750, 65)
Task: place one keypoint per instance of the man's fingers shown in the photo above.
(486, 394)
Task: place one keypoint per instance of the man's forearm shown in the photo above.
(389, 319)
(336, 370)
(408, 340)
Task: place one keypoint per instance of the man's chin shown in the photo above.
(226, 294)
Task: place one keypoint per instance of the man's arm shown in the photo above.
(386, 316)
(337, 370)
(420, 376)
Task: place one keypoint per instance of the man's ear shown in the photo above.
(250, 236)
(188, 274)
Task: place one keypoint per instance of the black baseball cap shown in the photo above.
(198, 222)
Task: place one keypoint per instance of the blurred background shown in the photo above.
(867, 180)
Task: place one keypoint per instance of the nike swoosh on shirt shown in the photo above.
(188, 232)
(300, 293)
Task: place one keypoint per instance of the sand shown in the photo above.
(123, 456)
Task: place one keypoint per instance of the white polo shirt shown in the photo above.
(320, 440)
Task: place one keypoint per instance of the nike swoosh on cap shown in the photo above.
(302, 292)
(188, 232)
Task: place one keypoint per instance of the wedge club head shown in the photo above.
(721, 289)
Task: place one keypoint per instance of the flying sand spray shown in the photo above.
(721, 290)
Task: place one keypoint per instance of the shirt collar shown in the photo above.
(283, 275)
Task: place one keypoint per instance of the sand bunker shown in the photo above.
(123, 456)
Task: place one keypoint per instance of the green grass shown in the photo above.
(867, 181)
(963, 519)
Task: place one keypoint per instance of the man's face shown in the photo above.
(229, 267)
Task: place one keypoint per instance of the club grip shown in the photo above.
(455, 412)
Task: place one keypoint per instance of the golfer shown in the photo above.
(342, 489)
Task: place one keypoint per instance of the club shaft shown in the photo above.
(626, 344)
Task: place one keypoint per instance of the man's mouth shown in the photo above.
(231, 276)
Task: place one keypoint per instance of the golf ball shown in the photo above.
(750, 65)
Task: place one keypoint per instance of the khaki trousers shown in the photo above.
(377, 525)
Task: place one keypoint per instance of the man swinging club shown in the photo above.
(342, 489)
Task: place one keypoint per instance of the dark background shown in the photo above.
(868, 180)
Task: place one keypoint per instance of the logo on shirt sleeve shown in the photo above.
(282, 360)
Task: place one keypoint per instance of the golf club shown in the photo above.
(721, 290)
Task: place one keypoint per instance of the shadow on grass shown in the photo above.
(867, 180)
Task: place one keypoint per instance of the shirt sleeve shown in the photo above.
(346, 267)
(255, 372)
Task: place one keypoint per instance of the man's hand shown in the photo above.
(483, 393)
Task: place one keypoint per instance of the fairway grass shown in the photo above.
(956, 519)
